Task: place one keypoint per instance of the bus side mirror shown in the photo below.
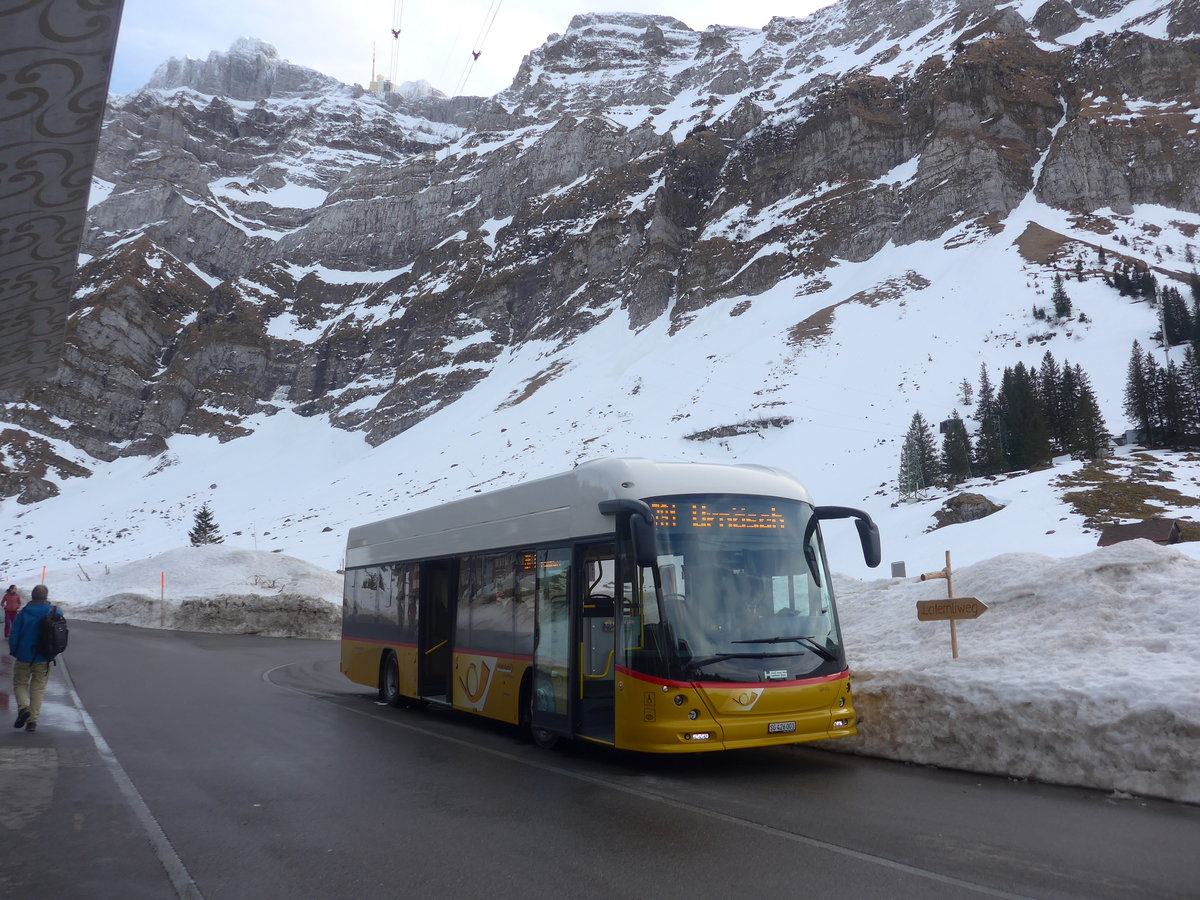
(868, 536)
(641, 527)
(643, 540)
(868, 531)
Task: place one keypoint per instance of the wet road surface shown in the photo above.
(225, 766)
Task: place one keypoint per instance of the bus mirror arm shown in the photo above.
(868, 531)
(641, 528)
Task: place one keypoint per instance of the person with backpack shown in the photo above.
(27, 642)
(11, 603)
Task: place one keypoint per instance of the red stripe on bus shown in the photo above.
(717, 685)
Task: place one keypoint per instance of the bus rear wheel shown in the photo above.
(389, 681)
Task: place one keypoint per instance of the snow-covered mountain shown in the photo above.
(312, 305)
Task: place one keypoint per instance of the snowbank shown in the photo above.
(211, 588)
(1083, 671)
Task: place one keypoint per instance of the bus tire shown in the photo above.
(547, 740)
(389, 680)
(541, 737)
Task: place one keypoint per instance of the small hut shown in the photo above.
(1161, 531)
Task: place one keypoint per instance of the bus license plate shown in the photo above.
(780, 727)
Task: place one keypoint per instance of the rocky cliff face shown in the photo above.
(251, 70)
(264, 236)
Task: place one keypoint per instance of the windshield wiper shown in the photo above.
(807, 639)
(707, 660)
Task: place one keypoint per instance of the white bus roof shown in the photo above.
(560, 507)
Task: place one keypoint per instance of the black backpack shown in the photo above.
(52, 634)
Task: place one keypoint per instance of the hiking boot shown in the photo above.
(32, 726)
(22, 717)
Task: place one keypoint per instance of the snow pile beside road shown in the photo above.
(1083, 671)
(210, 588)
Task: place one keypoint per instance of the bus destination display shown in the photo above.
(688, 515)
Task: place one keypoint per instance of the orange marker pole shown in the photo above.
(43, 574)
(162, 600)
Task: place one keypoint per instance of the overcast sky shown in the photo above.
(435, 44)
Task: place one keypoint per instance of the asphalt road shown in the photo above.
(244, 767)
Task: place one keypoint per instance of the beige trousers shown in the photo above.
(29, 685)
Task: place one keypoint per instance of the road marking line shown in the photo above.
(815, 843)
(176, 870)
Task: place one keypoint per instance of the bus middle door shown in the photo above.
(595, 709)
(439, 587)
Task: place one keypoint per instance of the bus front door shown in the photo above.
(438, 591)
(596, 585)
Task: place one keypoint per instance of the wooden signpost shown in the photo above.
(952, 608)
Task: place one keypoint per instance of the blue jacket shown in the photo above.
(23, 638)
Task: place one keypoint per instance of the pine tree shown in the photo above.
(1190, 373)
(1121, 281)
(956, 451)
(919, 468)
(204, 529)
(1068, 397)
(1062, 303)
(1176, 320)
(1139, 394)
(1088, 437)
(989, 443)
(1169, 392)
(1050, 393)
(1149, 286)
(1194, 337)
(1028, 438)
(966, 392)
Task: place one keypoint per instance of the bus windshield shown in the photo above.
(745, 589)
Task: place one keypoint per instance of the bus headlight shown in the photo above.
(693, 714)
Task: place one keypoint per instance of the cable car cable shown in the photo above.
(489, 19)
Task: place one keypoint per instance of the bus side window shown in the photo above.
(408, 589)
(523, 612)
(470, 578)
(350, 593)
(372, 591)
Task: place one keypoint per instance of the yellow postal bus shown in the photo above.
(658, 607)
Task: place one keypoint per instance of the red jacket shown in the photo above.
(12, 601)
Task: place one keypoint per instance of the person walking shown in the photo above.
(31, 670)
(11, 603)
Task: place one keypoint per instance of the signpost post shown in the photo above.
(952, 608)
